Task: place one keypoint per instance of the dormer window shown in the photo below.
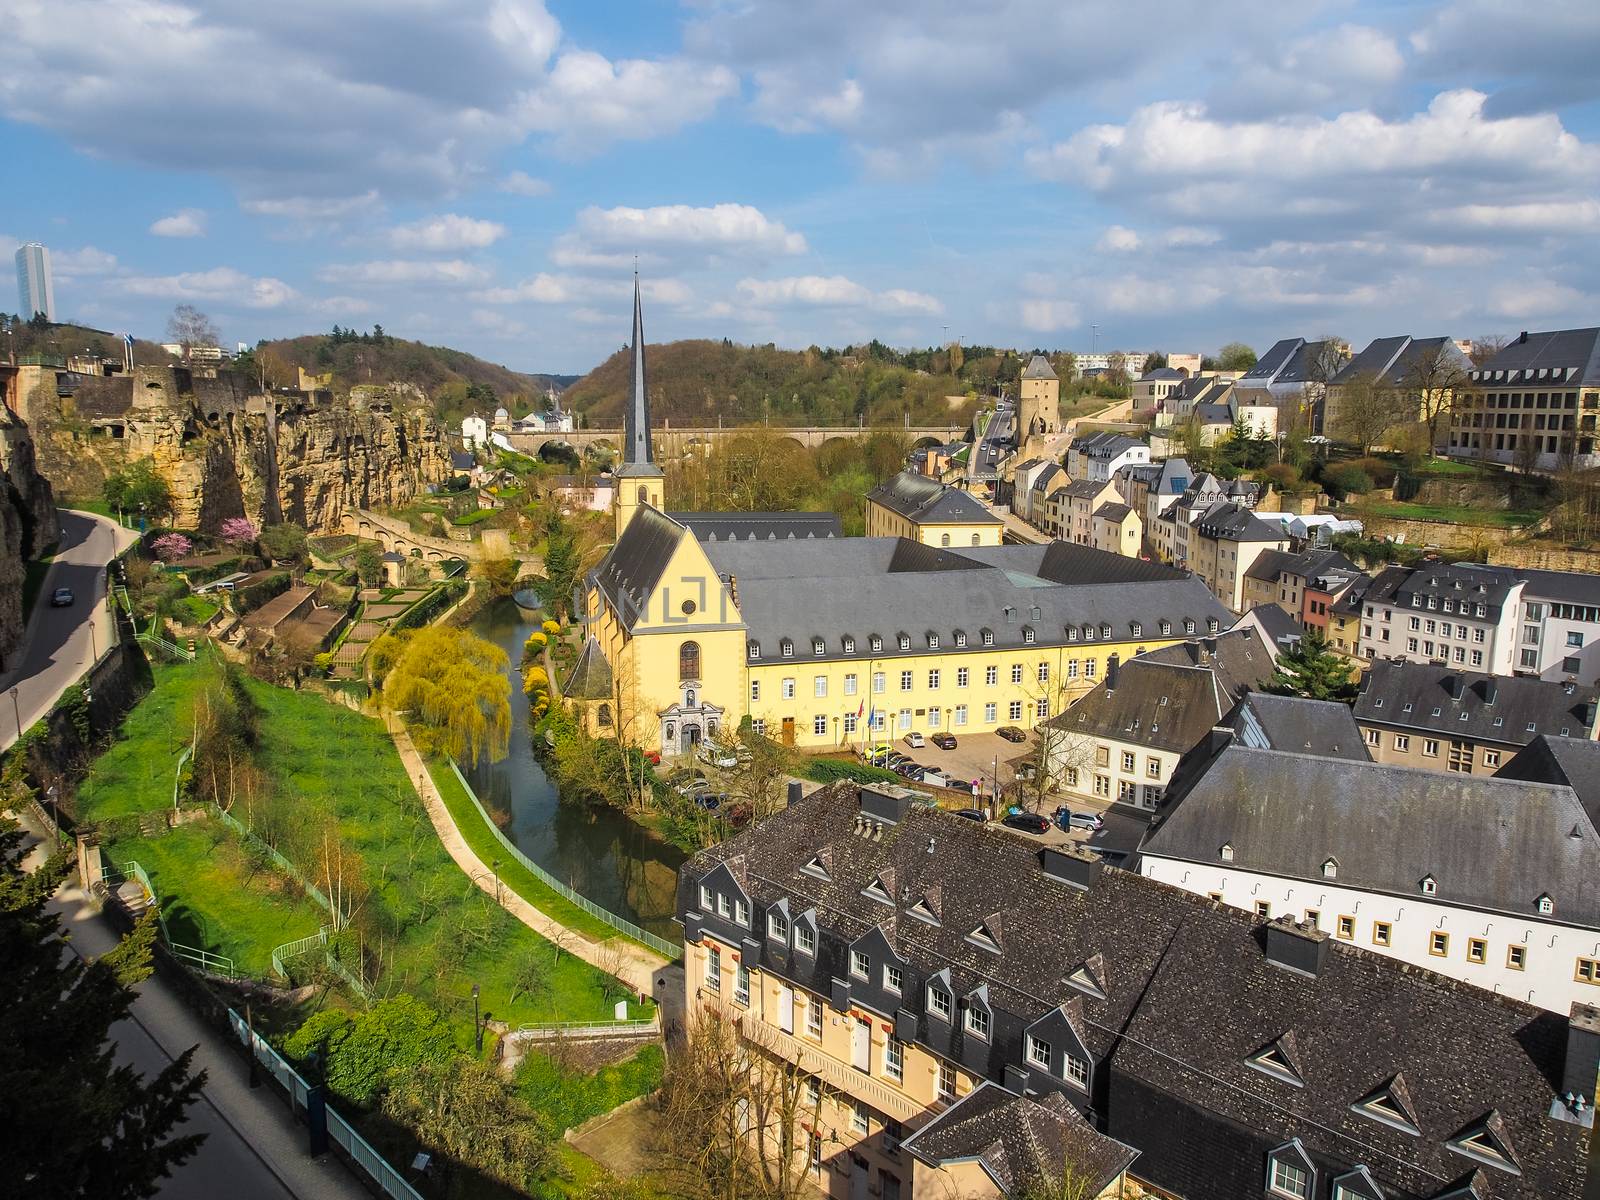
(786, 648)
(1290, 1172)
(753, 649)
(1390, 1104)
(1485, 1142)
(860, 964)
(988, 637)
(1430, 886)
(977, 1022)
(1277, 1059)
(1136, 628)
(1212, 624)
(1545, 905)
(778, 927)
(940, 1000)
(1188, 625)
(984, 937)
(1072, 633)
(705, 898)
(1105, 631)
(877, 643)
(1226, 853)
(817, 867)
(933, 641)
(741, 912)
(1166, 627)
(818, 646)
(905, 641)
(849, 645)
(1330, 868)
(1027, 634)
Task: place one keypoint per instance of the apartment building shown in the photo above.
(1559, 637)
(1288, 579)
(970, 1014)
(933, 513)
(1222, 544)
(1478, 878)
(1099, 456)
(1078, 503)
(1463, 615)
(1116, 528)
(1534, 403)
(1425, 715)
(1420, 374)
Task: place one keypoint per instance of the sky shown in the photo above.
(1144, 174)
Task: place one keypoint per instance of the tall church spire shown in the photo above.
(637, 431)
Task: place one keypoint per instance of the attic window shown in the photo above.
(1166, 628)
(876, 891)
(1499, 721)
(1188, 625)
(1405, 708)
(817, 867)
(923, 911)
(1212, 624)
(754, 649)
(1138, 629)
(1027, 634)
(1482, 1144)
(849, 645)
(905, 641)
(1530, 727)
(988, 637)
(1545, 905)
(933, 641)
(786, 648)
(1330, 868)
(983, 938)
(1226, 853)
(876, 643)
(1072, 634)
(1430, 886)
(1464, 716)
(1273, 1060)
(1378, 703)
(1105, 630)
(1389, 1105)
(961, 638)
(1435, 712)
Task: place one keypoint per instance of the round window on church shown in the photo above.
(688, 608)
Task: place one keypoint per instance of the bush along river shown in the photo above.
(599, 852)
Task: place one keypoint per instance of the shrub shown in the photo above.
(535, 645)
(1282, 476)
(1380, 471)
(1345, 480)
(830, 770)
(551, 628)
(361, 1052)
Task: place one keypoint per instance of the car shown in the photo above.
(1028, 822)
(892, 760)
(710, 801)
(945, 741)
(914, 740)
(62, 598)
(906, 768)
(972, 814)
(718, 756)
(1012, 734)
(689, 784)
(1067, 819)
(875, 752)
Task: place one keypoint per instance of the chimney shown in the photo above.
(1074, 867)
(1111, 673)
(1194, 652)
(1209, 646)
(1490, 690)
(1583, 1059)
(1522, 338)
(794, 792)
(1299, 948)
(1453, 685)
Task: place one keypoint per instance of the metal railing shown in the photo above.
(384, 1176)
(214, 964)
(660, 945)
(593, 1028)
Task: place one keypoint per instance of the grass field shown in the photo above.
(569, 1099)
(481, 840)
(338, 804)
(1452, 514)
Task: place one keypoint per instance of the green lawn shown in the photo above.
(135, 774)
(1452, 514)
(569, 1099)
(214, 898)
(197, 610)
(335, 782)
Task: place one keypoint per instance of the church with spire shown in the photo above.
(698, 621)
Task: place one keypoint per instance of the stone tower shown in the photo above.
(1039, 403)
(639, 480)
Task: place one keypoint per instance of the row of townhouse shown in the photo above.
(970, 1014)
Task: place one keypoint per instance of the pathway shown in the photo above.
(254, 1147)
(627, 960)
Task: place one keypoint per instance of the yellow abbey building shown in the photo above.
(933, 513)
(698, 620)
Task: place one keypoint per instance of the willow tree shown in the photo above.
(452, 689)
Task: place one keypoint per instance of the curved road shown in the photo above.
(61, 643)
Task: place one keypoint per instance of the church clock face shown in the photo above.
(688, 608)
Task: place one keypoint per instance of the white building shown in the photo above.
(1487, 880)
(1099, 456)
(36, 287)
(1464, 615)
(474, 432)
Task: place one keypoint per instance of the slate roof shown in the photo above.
(762, 526)
(1185, 994)
(1105, 445)
(1461, 582)
(462, 460)
(858, 587)
(1508, 709)
(591, 674)
(1230, 521)
(1113, 512)
(1269, 564)
(1575, 353)
(1170, 698)
(1163, 375)
(1277, 626)
(1018, 1139)
(630, 571)
(1569, 760)
(927, 501)
(1213, 414)
(1293, 723)
(1392, 361)
(1038, 368)
(1273, 361)
(1086, 489)
(1563, 587)
(1491, 844)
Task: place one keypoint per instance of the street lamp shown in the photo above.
(55, 809)
(477, 1026)
(495, 867)
(17, 709)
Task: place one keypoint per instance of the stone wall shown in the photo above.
(302, 457)
(27, 524)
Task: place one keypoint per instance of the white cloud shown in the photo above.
(220, 285)
(314, 208)
(547, 288)
(342, 305)
(86, 260)
(1540, 56)
(185, 223)
(520, 183)
(1118, 239)
(446, 232)
(452, 272)
(1048, 316)
(1520, 299)
(589, 101)
(833, 291)
(675, 234)
(1570, 216)
(1345, 66)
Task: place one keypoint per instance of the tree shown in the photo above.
(369, 564)
(170, 547)
(452, 687)
(1365, 412)
(1486, 347)
(1235, 356)
(77, 1124)
(358, 1054)
(285, 544)
(1056, 754)
(1313, 671)
(239, 532)
(762, 776)
(190, 327)
(1433, 374)
(139, 487)
(562, 564)
(500, 574)
(1154, 361)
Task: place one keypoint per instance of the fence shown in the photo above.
(388, 1181)
(659, 945)
(112, 875)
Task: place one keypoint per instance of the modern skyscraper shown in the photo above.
(36, 291)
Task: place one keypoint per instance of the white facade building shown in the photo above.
(36, 288)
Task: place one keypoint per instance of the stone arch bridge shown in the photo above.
(397, 536)
(677, 441)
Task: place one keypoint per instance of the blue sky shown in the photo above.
(481, 173)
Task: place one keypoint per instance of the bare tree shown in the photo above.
(1361, 411)
(1486, 347)
(1055, 754)
(1325, 358)
(1433, 375)
(1525, 455)
(190, 327)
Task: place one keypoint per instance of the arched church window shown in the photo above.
(688, 661)
(603, 716)
(944, 539)
(644, 495)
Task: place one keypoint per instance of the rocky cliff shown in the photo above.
(227, 449)
(27, 525)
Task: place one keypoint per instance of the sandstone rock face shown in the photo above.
(228, 450)
(27, 524)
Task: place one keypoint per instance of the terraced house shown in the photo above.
(968, 1014)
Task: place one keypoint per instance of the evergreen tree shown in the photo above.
(72, 1121)
(1313, 671)
(562, 564)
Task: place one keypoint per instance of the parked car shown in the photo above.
(710, 801)
(907, 768)
(971, 814)
(875, 753)
(892, 760)
(1012, 734)
(718, 756)
(945, 741)
(61, 598)
(914, 740)
(687, 783)
(1067, 819)
(1028, 822)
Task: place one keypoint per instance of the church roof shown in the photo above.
(630, 572)
(927, 501)
(760, 526)
(591, 675)
(637, 431)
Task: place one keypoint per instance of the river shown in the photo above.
(598, 852)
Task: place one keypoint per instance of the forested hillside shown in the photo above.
(61, 341)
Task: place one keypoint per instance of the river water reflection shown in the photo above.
(599, 852)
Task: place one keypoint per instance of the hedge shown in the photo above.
(247, 599)
(830, 770)
(431, 605)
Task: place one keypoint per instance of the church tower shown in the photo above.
(639, 480)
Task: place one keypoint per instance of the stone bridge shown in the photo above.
(396, 535)
(675, 442)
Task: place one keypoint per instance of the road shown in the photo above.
(60, 643)
(254, 1149)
